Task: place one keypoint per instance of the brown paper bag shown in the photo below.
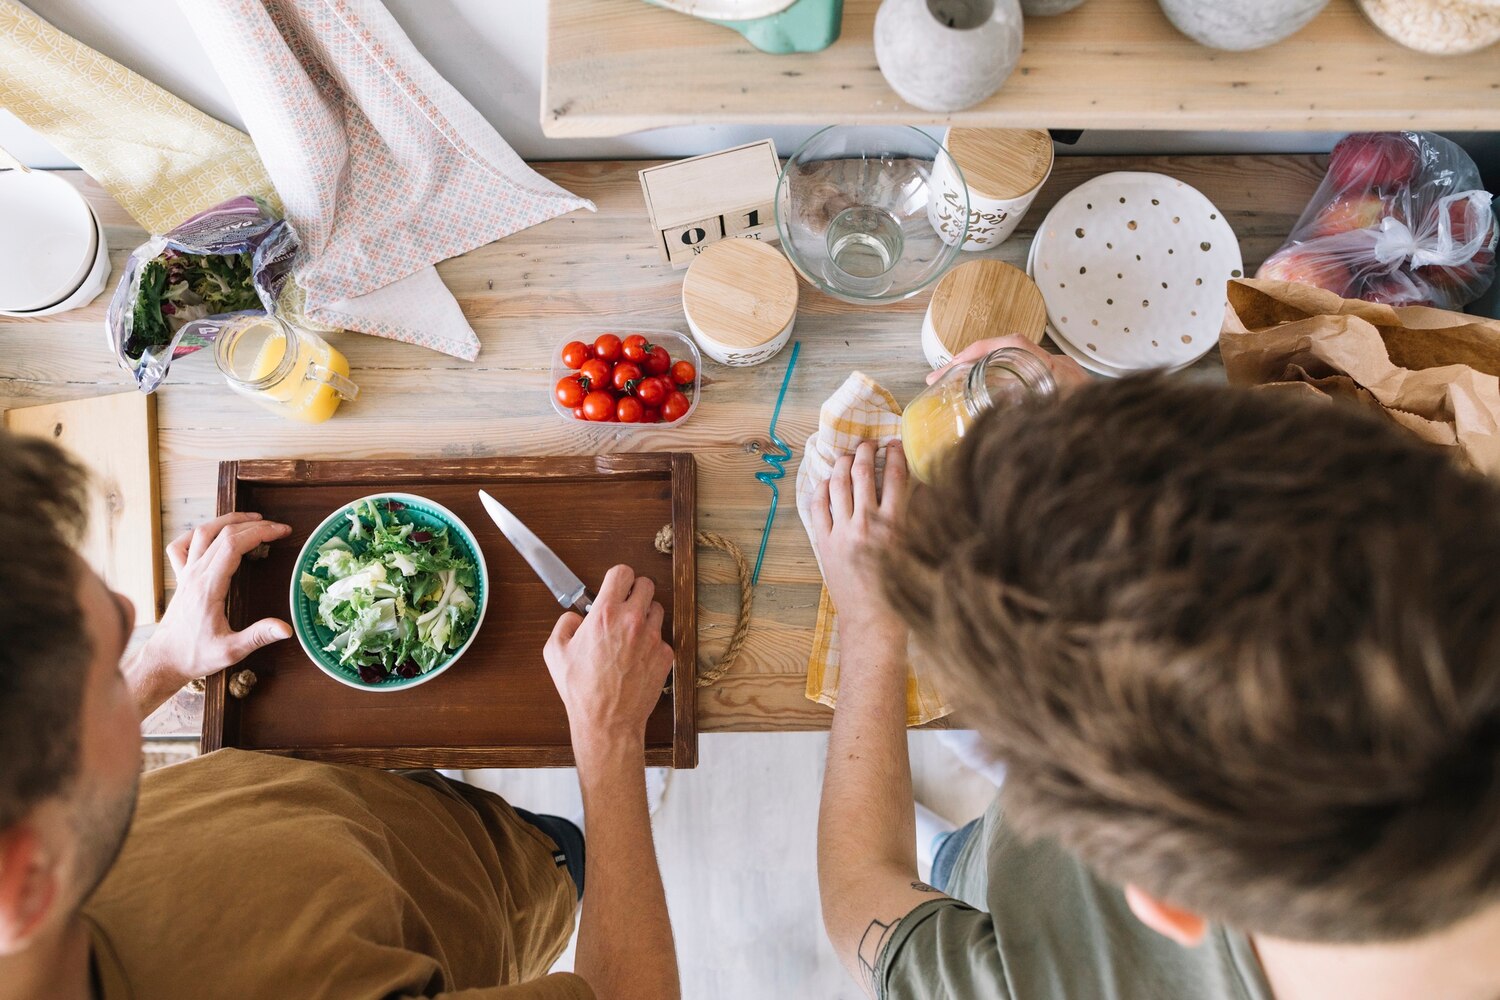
(1434, 372)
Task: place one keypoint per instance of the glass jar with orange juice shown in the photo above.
(293, 372)
(942, 413)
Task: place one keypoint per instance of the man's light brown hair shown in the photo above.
(1239, 650)
(44, 647)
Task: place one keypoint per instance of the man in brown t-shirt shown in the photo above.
(248, 875)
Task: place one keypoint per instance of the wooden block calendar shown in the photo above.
(696, 202)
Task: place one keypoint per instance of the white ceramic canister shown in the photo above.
(1003, 169)
(979, 300)
(740, 300)
(947, 55)
(1235, 25)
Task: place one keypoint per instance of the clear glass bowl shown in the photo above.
(851, 210)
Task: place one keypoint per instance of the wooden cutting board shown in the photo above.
(114, 437)
(495, 707)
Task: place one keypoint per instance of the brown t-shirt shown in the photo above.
(252, 876)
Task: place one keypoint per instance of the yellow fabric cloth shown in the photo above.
(161, 158)
(861, 410)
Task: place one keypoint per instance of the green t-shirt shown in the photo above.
(1053, 930)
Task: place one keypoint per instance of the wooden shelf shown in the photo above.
(619, 66)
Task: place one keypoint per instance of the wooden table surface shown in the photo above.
(523, 296)
(620, 66)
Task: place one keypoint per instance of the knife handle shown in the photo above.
(585, 602)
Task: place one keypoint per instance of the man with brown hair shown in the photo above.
(248, 875)
(1241, 658)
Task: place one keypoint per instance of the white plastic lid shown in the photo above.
(47, 240)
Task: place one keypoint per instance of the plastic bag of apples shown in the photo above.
(1401, 218)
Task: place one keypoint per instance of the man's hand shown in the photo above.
(610, 667)
(1066, 372)
(193, 638)
(851, 513)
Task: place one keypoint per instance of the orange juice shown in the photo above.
(297, 395)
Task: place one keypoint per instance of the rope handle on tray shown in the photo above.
(713, 540)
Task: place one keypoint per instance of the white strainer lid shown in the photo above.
(1133, 268)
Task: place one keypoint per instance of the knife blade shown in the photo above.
(570, 591)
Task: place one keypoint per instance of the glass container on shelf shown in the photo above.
(943, 412)
(293, 372)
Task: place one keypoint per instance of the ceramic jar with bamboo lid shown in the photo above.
(977, 301)
(740, 299)
(1002, 168)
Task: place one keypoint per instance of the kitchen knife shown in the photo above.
(563, 582)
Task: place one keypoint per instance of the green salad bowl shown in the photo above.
(313, 635)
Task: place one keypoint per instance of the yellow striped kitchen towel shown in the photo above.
(861, 410)
(161, 158)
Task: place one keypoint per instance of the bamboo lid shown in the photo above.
(741, 292)
(986, 298)
(1001, 162)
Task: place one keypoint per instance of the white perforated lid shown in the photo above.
(1133, 268)
(47, 240)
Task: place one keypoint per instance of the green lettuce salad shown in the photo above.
(397, 596)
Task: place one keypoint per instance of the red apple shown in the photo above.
(1396, 290)
(1383, 160)
(1308, 266)
(1465, 219)
(1349, 213)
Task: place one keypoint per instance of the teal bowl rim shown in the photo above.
(296, 599)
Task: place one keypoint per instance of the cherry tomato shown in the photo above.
(607, 347)
(569, 391)
(650, 415)
(675, 408)
(599, 406)
(683, 373)
(658, 361)
(635, 347)
(575, 353)
(578, 413)
(629, 410)
(652, 391)
(597, 373)
(625, 373)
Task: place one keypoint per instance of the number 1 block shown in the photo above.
(750, 222)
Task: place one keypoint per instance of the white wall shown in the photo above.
(491, 50)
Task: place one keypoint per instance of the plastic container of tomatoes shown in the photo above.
(678, 346)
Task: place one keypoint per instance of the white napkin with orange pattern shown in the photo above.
(383, 167)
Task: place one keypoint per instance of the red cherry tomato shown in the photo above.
(569, 391)
(578, 413)
(575, 353)
(596, 372)
(650, 415)
(628, 410)
(675, 408)
(599, 406)
(634, 347)
(652, 391)
(683, 373)
(607, 347)
(625, 374)
(658, 361)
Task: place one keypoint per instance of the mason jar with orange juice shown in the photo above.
(291, 371)
(942, 414)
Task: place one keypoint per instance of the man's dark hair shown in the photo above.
(1239, 650)
(44, 646)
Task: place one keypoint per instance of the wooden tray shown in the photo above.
(496, 707)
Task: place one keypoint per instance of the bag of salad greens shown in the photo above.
(178, 287)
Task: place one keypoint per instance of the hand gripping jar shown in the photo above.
(943, 413)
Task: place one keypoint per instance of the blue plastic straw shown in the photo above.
(777, 461)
